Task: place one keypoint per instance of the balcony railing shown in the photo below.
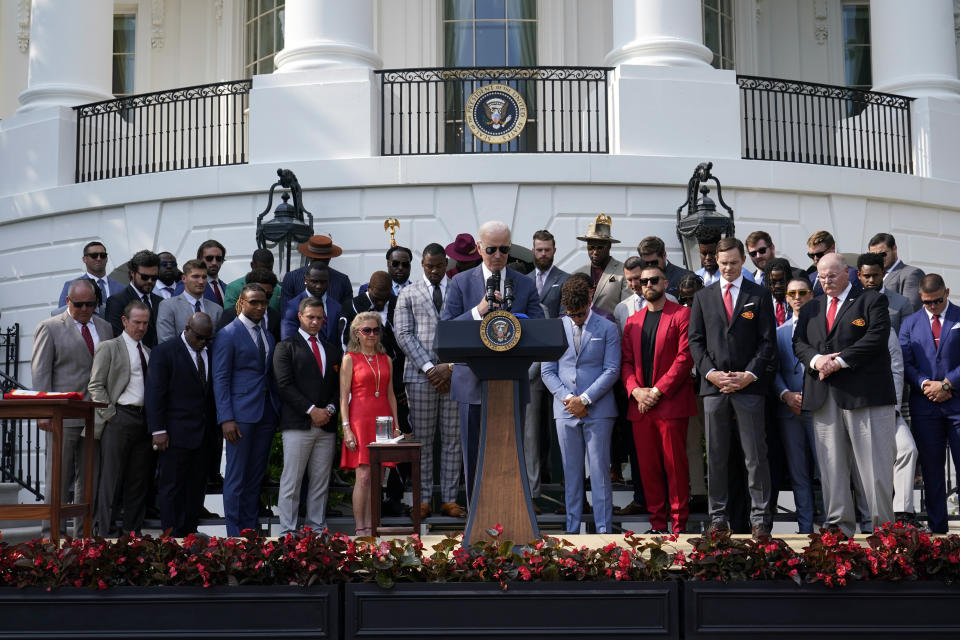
(202, 126)
(423, 110)
(814, 123)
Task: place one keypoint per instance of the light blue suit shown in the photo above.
(796, 432)
(245, 392)
(593, 372)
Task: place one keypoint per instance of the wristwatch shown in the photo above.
(331, 409)
(946, 386)
(584, 399)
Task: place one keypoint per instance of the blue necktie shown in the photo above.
(196, 307)
(260, 345)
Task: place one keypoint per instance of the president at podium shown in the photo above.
(467, 299)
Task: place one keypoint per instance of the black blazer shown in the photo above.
(299, 384)
(175, 400)
(860, 333)
(273, 321)
(748, 343)
(114, 311)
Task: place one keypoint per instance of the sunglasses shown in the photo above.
(169, 264)
(651, 263)
(81, 304)
(396, 264)
(654, 280)
(758, 252)
(148, 277)
(799, 293)
(817, 255)
(577, 315)
(932, 303)
(492, 250)
(97, 255)
(206, 338)
(213, 258)
(882, 254)
(370, 331)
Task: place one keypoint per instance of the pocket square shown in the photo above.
(955, 327)
(554, 285)
(592, 339)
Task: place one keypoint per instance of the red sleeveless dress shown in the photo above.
(366, 406)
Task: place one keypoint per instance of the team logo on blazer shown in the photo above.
(859, 322)
(495, 113)
(747, 315)
(500, 331)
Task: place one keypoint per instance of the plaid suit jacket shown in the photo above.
(415, 326)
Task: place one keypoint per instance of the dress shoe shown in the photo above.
(206, 513)
(424, 510)
(632, 509)
(760, 531)
(718, 525)
(453, 510)
(394, 509)
(655, 532)
(334, 513)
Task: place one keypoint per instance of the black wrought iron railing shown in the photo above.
(201, 126)
(20, 448)
(815, 123)
(423, 111)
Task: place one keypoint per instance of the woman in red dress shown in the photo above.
(366, 393)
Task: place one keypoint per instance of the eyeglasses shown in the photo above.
(798, 293)
(882, 254)
(80, 304)
(654, 280)
(817, 255)
(758, 252)
(396, 264)
(206, 338)
(932, 303)
(213, 258)
(149, 277)
(578, 315)
(505, 250)
(370, 331)
(97, 255)
(169, 264)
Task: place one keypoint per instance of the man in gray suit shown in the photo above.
(174, 312)
(899, 277)
(870, 272)
(427, 381)
(605, 271)
(119, 380)
(63, 349)
(548, 279)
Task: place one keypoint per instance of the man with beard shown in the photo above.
(761, 251)
(655, 368)
(653, 251)
(143, 267)
(548, 280)
(775, 279)
(605, 271)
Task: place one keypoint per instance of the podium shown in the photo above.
(501, 493)
(56, 409)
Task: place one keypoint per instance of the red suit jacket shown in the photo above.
(672, 363)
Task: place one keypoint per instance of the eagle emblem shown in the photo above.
(494, 107)
(859, 322)
(495, 113)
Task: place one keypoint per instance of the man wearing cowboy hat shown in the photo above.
(319, 249)
(605, 271)
(463, 252)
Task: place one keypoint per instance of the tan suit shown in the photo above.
(612, 286)
(62, 362)
(108, 379)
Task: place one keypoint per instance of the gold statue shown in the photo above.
(392, 224)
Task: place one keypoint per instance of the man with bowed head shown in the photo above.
(466, 300)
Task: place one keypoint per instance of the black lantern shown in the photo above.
(702, 220)
(288, 227)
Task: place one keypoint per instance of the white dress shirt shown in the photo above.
(249, 324)
(734, 290)
(840, 300)
(163, 290)
(92, 327)
(134, 391)
(486, 275)
(323, 357)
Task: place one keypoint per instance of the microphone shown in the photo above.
(493, 286)
(508, 293)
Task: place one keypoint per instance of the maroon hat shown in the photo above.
(320, 247)
(463, 249)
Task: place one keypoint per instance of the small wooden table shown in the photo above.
(56, 410)
(403, 451)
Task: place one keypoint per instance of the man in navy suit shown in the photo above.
(95, 260)
(930, 340)
(734, 345)
(317, 281)
(212, 254)
(318, 249)
(466, 300)
(144, 266)
(180, 413)
(246, 398)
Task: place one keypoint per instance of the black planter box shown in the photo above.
(171, 612)
(531, 611)
(784, 609)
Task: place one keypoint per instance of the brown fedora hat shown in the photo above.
(463, 249)
(320, 247)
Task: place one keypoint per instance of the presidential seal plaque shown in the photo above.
(500, 330)
(496, 113)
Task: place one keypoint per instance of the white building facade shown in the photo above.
(316, 106)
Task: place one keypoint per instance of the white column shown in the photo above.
(324, 33)
(913, 48)
(70, 49)
(659, 33)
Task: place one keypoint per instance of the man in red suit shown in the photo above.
(655, 367)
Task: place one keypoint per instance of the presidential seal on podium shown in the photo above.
(500, 330)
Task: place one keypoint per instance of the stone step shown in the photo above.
(18, 534)
(9, 493)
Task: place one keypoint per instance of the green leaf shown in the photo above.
(384, 580)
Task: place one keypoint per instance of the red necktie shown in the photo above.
(832, 313)
(781, 313)
(316, 353)
(728, 301)
(935, 325)
(216, 290)
(85, 332)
